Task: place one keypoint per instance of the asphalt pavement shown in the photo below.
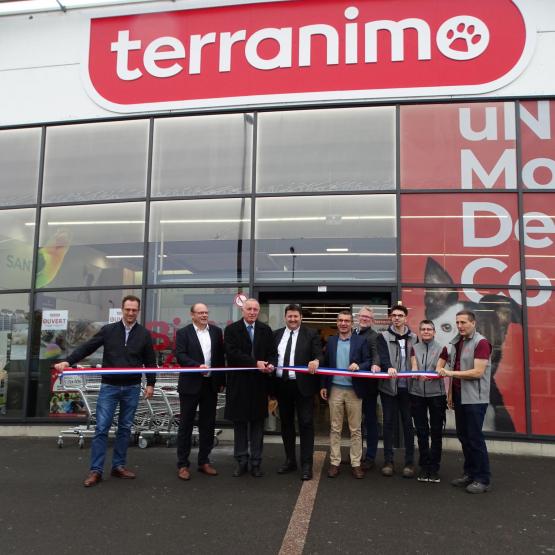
(45, 509)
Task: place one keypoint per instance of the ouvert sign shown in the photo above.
(305, 50)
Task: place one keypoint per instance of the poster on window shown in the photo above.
(53, 334)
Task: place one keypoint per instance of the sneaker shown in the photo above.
(388, 470)
(423, 476)
(434, 477)
(408, 471)
(462, 482)
(477, 487)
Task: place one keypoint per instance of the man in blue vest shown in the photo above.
(469, 363)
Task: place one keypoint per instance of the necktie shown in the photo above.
(287, 356)
(250, 329)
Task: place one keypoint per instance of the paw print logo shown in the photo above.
(463, 37)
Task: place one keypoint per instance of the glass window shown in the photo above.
(64, 320)
(351, 149)
(168, 310)
(199, 240)
(202, 155)
(539, 238)
(19, 160)
(541, 355)
(84, 246)
(96, 161)
(458, 146)
(326, 238)
(537, 131)
(14, 335)
(464, 238)
(499, 319)
(17, 235)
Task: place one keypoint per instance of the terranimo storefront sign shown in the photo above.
(305, 51)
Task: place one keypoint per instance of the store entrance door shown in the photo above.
(319, 311)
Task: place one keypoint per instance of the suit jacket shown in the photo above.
(247, 391)
(308, 347)
(138, 352)
(358, 353)
(188, 353)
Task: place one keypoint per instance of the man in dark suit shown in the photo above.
(249, 344)
(297, 345)
(126, 344)
(345, 394)
(198, 345)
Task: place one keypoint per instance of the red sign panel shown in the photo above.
(300, 50)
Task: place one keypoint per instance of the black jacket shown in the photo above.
(308, 347)
(138, 353)
(247, 391)
(188, 352)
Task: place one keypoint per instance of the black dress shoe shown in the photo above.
(240, 469)
(286, 467)
(256, 472)
(306, 474)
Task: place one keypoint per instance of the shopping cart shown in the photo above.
(88, 387)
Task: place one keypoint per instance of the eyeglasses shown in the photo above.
(200, 312)
(398, 316)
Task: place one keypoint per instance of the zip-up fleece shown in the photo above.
(391, 338)
(474, 391)
(427, 355)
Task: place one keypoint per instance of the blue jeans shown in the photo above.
(469, 420)
(369, 405)
(110, 396)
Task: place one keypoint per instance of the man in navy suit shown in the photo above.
(249, 343)
(198, 345)
(297, 345)
(344, 394)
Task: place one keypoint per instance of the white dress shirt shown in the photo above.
(206, 346)
(281, 352)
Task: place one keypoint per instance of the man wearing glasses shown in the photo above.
(198, 345)
(379, 357)
(428, 397)
(394, 393)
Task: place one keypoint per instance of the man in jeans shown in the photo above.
(379, 358)
(470, 367)
(427, 396)
(394, 392)
(126, 344)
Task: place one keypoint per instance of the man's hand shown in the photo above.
(392, 372)
(313, 366)
(61, 365)
(204, 366)
(375, 368)
(443, 372)
(353, 367)
(324, 394)
(149, 391)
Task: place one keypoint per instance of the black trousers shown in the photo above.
(426, 429)
(393, 405)
(248, 433)
(469, 420)
(290, 401)
(205, 400)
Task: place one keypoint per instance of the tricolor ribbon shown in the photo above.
(302, 369)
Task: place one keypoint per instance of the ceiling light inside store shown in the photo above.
(338, 249)
(34, 6)
(333, 254)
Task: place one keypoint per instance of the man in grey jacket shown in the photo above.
(428, 402)
(470, 367)
(394, 392)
